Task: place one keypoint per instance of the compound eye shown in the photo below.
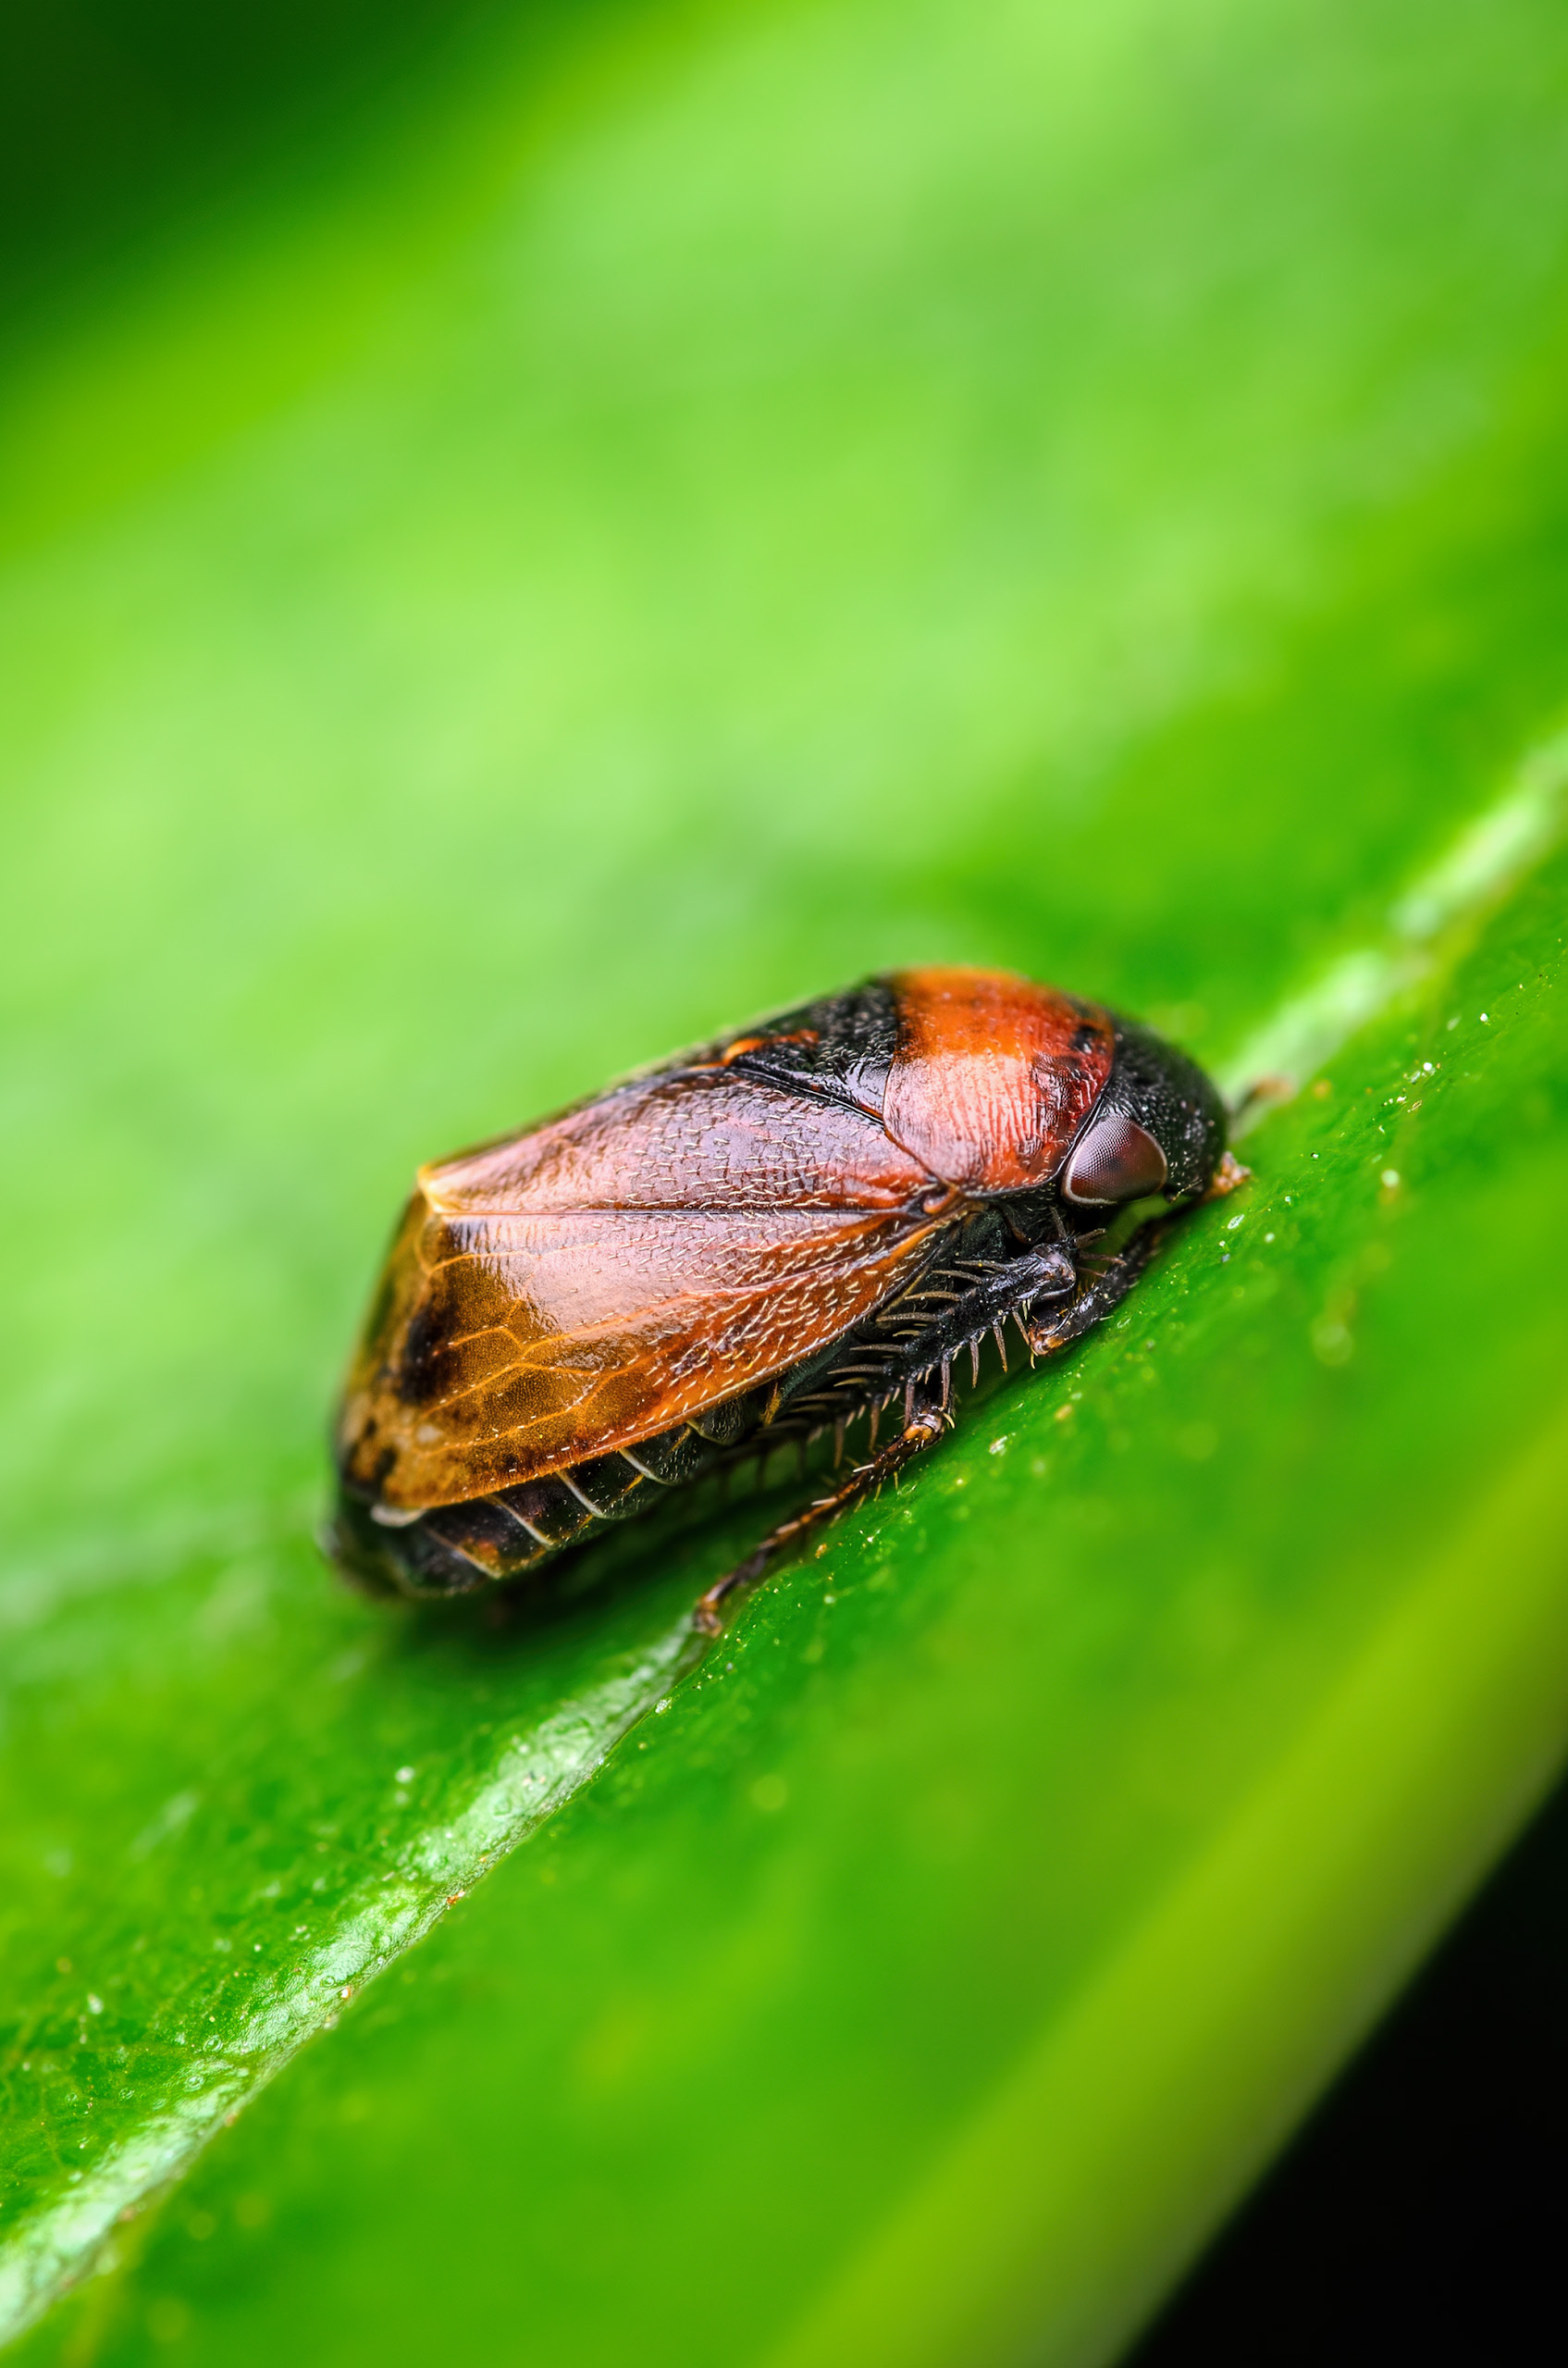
(1116, 1161)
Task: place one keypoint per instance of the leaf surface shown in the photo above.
(781, 494)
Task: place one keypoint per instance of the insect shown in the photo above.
(800, 1224)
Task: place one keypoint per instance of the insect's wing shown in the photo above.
(592, 1282)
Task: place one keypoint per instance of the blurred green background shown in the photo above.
(529, 534)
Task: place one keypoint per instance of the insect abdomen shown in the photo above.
(452, 1549)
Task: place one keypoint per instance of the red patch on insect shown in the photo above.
(993, 1076)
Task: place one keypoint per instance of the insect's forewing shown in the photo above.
(585, 1285)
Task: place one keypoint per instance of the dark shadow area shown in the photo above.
(117, 114)
(1422, 2215)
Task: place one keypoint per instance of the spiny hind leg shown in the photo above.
(923, 1428)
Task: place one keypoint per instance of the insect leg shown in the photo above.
(925, 1426)
(1102, 1291)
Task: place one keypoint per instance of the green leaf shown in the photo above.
(629, 540)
